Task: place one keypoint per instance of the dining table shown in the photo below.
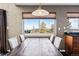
(35, 47)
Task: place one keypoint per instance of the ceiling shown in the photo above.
(46, 4)
(43, 2)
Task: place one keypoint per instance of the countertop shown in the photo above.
(72, 33)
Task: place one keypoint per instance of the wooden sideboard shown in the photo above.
(72, 44)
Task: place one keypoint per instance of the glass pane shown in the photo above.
(31, 25)
(74, 23)
(39, 25)
(47, 25)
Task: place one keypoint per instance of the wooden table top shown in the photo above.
(35, 47)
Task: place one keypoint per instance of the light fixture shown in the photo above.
(40, 12)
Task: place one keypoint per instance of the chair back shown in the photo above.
(22, 38)
(13, 42)
(57, 42)
(52, 37)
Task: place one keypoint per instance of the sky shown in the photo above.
(34, 23)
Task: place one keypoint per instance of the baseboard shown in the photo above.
(62, 50)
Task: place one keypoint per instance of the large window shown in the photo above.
(74, 23)
(73, 18)
(39, 25)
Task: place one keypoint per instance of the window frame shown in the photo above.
(72, 18)
(38, 18)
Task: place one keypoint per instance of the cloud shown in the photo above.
(28, 27)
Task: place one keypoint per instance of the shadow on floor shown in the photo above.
(64, 54)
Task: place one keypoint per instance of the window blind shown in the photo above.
(73, 14)
(27, 15)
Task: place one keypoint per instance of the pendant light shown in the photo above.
(40, 12)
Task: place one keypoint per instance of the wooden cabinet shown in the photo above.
(2, 31)
(72, 44)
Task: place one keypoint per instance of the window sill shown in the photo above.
(38, 35)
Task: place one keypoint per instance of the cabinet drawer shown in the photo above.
(75, 45)
(76, 42)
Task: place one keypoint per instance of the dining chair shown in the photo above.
(57, 42)
(13, 42)
(22, 38)
(52, 38)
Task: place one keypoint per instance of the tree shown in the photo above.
(67, 26)
(43, 27)
(52, 27)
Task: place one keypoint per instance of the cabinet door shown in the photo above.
(76, 45)
(68, 44)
